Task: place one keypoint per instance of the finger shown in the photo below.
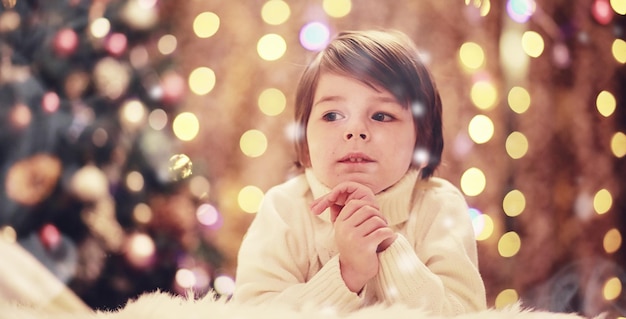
(380, 235)
(319, 205)
(363, 210)
(346, 191)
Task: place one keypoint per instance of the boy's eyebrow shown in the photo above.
(329, 98)
(333, 98)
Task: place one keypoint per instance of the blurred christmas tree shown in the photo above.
(93, 185)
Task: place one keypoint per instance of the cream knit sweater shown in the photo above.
(288, 256)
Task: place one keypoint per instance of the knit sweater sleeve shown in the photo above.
(277, 264)
(439, 271)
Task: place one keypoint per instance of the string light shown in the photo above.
(249, 199)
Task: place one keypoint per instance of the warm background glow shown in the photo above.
(185, 116)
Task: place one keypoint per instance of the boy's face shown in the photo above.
(358, 133)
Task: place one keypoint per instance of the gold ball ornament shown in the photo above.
(140, 15)
(180, 167)
(111, 78)
(89, 184)
(31, 180)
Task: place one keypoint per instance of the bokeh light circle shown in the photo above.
(202, 80)
(471, 55)
(618, 144)
(506, 298)
(253, 143)
(532, 44)
(186, 126)
(249, 199)
(206, 24)
(618, 48)
(520, 10)
(275, 12)
(271, 47)
(514, 203)
(602, 201)
(509, 244)
(337, 8)
(272, 102)
(516, 145)
(473, 181)
(484, 94)
(481, 129)
(518, 99)
(612, 241)
(314, 36)
(606, 103)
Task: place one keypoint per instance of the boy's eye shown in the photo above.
(331, 116)
(382, 117)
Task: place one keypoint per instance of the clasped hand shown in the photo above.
(361, 231)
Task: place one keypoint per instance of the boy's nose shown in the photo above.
(349, 136)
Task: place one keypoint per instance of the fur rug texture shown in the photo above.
(159, 305)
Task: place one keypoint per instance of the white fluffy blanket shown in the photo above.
(161, 306)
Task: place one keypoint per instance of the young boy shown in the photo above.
(366, 222)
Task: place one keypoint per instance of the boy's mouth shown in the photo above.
(356, 158)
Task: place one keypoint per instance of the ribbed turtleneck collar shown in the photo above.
(394, 202)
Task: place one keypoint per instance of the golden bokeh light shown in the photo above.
(167, 44)
(519, 99)
(483, 5)
(471, 55)
(337, 8)
(618, 144)
(612, 289)
(199, 186)
(142, 213)
(606, 103)
(619, 50)
(271, 47)
(100, 27)
(514, 203)
(516, 145)
(473, 182)
(619, 6)
(133, 114)
(272, 101)
(506, 298)
(202, 80)
(487, 227)
(612, 240)
(206, 24)
(484, 95)
(157, 119)
(275, 12)
(249, 199)
(602, 201)
(134, 181)
(186, 126)
(481, 129)
(509, 244)
(532, 44)
(253, 143)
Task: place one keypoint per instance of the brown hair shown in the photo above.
(385, 59)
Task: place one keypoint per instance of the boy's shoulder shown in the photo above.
(438, 186)
(293, 186)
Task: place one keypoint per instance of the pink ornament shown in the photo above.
(602, 12)
(116, 44)
(173, 86)
(50, 102)
(65, 42)
(50, 236)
